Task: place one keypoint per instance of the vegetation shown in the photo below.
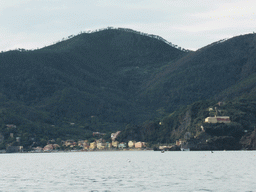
(120, 79)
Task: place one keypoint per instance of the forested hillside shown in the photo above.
(190, 121)
(222, 70)
(90, 79)
(116, 79)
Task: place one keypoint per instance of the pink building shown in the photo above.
(138, 144)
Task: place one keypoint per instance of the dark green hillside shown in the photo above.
(89, 75)
(190, 119)
(116, 78)
(205, 74)
(171, 127)
(245, 88)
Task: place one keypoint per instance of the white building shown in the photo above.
(218, 119)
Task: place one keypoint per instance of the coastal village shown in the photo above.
(103, 145)
(82, 145)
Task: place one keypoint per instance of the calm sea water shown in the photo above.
(129, 171)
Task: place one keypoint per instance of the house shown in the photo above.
(162, 147)
(115, 144)
(108, 145)
(50, 147)
(93, 145)
(122, 145)
(83, 144)
(218, 119)
(138, 144)
(18, 139)
(101, 145)
(131, 144)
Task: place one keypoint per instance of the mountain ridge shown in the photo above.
(105, 80)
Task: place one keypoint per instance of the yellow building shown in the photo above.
(100, 145)
(131, 144)
(93, 146)
(115, 144)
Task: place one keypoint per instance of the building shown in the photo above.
(180, 142)
(38, 149)
(69, 143)
(218, 119)
(131, 144)
(93, 146)
(50, 147)
(108, 145)
(115, 144)
(101, 145)
(83, 144)
(122, 145)
(138, 144)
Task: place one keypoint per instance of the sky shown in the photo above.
(190, 24)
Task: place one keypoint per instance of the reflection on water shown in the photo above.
(129, 171)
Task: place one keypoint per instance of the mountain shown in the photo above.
(113, 79)
(90, 79)
(222, 70)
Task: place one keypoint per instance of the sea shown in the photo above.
(129, 171)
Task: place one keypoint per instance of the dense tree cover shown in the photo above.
(116, 79)
(90, 80)
(222, 70)
(192, 118)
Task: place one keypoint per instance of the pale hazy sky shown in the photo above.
(190, 24)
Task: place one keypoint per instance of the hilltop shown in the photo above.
(114, 79)
(90, 79)
(222, 70)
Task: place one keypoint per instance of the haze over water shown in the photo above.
(129, 171)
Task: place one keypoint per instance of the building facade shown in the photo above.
(218, 119)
